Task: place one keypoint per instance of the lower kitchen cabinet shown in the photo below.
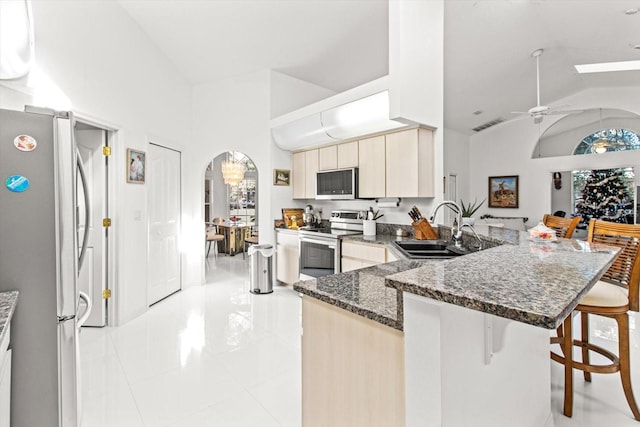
(287, 257)
(5, 380)
(352, 369)
(357, 255)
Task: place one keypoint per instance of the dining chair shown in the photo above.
(212, 236)
(251, 240)
(564, 227)
(612, 296)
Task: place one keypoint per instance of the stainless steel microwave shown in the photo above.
(337, 184)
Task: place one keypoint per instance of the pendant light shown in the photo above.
(232, 170)
(600, 146)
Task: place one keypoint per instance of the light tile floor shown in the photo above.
(217, 355)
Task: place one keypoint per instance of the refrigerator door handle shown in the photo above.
(83, 296)
(65, 318)
(87, 211)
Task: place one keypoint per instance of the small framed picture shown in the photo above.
(136, 166)
(503, 191)
(281, 176)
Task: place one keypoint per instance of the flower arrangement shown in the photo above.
(469, 209)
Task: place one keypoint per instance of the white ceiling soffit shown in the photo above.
(364, 116)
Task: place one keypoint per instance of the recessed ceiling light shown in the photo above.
(632, 11)
(608, 66)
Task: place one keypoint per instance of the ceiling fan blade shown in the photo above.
(519, 112)
(556, 112)
(559, 106)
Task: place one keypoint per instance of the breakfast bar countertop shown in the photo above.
(8, 302)
(537, 284)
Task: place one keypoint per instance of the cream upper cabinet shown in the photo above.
(305, 166)
(409, 164)
(399, 164)
(328, 158)
(348, 155)
(298, 175)
(371, 163)
(311, 167)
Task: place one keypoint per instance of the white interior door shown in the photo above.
(91, 277)
(163, 180)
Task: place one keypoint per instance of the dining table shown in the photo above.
(234, 234)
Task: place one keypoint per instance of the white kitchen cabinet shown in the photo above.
(371, 164)
(356, 255)
(287, 256)
(348, 155)
(328, 158)
(5, 379)
(409, 163)
(305, 166)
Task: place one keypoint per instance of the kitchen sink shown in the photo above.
(428, 249)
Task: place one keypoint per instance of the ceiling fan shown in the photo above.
(539, 111)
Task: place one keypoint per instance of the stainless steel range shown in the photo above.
(320, 248)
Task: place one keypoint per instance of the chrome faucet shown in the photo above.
(474, 233)
(456, 228)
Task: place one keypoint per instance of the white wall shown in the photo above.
(95, 61)
(506, 149)
(289, 93)
(416, 61)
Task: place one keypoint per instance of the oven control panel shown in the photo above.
(347, 216)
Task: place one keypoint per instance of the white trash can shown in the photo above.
(261, 269)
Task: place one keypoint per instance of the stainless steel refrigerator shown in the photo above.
(40, 257)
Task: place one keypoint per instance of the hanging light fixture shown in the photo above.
(232, 170)
(600, 146)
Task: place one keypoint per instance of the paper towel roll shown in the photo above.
(392, 203)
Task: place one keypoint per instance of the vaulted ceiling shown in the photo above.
(340, 44)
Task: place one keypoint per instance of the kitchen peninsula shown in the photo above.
(463, 341)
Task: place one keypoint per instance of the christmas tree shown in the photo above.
(605, 196)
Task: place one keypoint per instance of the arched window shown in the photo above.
(606, 140)
(590, 131)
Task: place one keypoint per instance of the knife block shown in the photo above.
(424, 231)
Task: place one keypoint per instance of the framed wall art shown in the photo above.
(136, 166)
(503, 191)
(281, 176)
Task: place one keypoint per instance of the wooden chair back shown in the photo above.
(564, 227)
(625, 271)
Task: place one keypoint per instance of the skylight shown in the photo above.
(608, 66)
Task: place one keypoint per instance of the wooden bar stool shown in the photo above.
(612, 296)
(564, 227)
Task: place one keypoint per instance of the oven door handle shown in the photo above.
(330, 244)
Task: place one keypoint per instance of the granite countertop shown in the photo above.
(363, 291)
(518, 280)
(8, 302)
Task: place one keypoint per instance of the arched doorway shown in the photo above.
(234, 204)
